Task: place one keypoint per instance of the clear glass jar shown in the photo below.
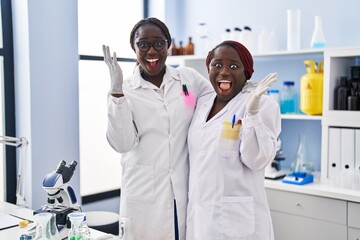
(79, 230)
(288, 98)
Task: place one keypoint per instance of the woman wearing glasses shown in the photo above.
(149, 116)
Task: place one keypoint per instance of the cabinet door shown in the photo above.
(354, 234)
(354, 215)
(292, 227)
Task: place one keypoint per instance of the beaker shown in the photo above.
(46, 228)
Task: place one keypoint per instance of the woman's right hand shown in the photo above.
(115, 71)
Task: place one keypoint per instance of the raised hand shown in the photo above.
(115, 71)
(252, 106)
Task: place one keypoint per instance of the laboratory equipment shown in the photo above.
(21, 143)
(341, 93)
(46, 228)
(288, 98)
(125, 229)
(79, 230)
(311, 88)
(61, 197)
(273, 170)
(204, 41)
(318, 38)
(293, 29)
(302, 172)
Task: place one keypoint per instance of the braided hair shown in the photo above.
(155, 22)
(243, 52)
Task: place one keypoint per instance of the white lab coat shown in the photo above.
(149, 126)
(227, 198)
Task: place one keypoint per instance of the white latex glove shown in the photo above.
(115, 71)
(252, 106)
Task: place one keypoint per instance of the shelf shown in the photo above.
(300, 117)
(266, 54)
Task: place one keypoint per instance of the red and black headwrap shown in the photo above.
(245, 56)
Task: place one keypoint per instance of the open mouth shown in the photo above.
(152, 62)
(224, 85)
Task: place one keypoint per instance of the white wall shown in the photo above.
(340, 18)
(46, 87)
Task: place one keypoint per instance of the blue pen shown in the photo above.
(233, 121)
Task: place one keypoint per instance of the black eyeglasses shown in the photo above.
(158, 45)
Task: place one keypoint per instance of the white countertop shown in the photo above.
(317, 189)
(25, 213)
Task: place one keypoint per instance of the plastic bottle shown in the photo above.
(190, 47)
(247, 38)
(288, 98)
(318, 38)
(79, 230)
(203, 40)
(341, 94)
(311, 88)
(236, 35)
(274, 94)
(226, 35)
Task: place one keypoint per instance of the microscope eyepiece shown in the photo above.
(73, 165)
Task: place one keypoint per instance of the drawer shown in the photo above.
(331, 210)
(353, 234)
(354, 215)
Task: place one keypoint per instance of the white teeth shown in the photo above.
(152, 60)
(224, 81)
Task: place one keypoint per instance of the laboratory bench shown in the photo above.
(13, 214)
(313, 211)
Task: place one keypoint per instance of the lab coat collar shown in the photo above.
(138, 81)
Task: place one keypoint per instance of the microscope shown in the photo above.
(61, 197)
(273, 170)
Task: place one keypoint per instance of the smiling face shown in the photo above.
(153, 60)
(226, 73)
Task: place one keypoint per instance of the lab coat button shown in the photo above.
(171, 136)
(165, 103)
(171, 170)
(169, 205)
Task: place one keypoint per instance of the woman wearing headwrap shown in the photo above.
(232, 138)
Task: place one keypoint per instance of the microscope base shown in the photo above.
(60, 212)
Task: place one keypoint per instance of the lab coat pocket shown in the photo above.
(238, 217)
(139, 182)
(229, 138)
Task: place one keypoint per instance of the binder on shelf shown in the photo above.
(334, 152)
(357, 151)
(347, 149)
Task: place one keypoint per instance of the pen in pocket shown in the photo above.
(185, 90)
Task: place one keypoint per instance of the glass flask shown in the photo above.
(79, 230)
(46, 227)
(125, 229)
(303, 163)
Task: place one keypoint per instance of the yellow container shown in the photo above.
(311, 88)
